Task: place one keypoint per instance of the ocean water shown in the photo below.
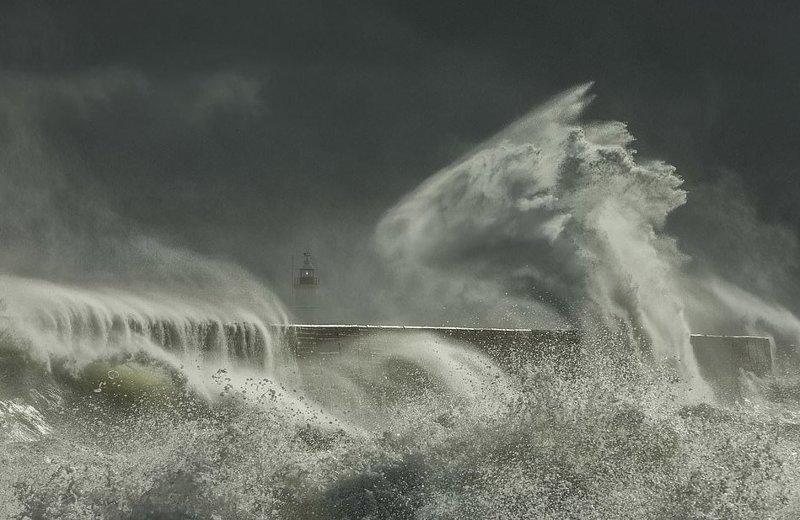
(147, 399)
(426, 429)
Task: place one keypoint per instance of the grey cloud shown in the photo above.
(255, 131)
(227, 93)
(54, 214)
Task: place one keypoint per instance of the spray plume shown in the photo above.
(562, 207)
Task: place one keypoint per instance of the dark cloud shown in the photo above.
(255, 131)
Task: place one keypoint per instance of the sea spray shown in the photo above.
(433, 429)
(388, 372)
(77, 326)
(562, 207)
(609, 441)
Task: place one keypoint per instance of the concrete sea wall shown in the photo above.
(508, 347)
(722, 359)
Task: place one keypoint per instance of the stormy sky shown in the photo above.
(255, 130)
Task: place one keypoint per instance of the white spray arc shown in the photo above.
(567, 209)
(80, 325)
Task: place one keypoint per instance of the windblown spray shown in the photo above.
(130, 400)
(563, 207)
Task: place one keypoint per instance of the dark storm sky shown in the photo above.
(254, 130)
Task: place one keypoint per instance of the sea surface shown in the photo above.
(423, 429)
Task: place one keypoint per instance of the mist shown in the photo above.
(625, 172)
(235, 158)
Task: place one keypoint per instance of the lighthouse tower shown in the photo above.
(305, 286)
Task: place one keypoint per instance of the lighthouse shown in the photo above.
(305, 286)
